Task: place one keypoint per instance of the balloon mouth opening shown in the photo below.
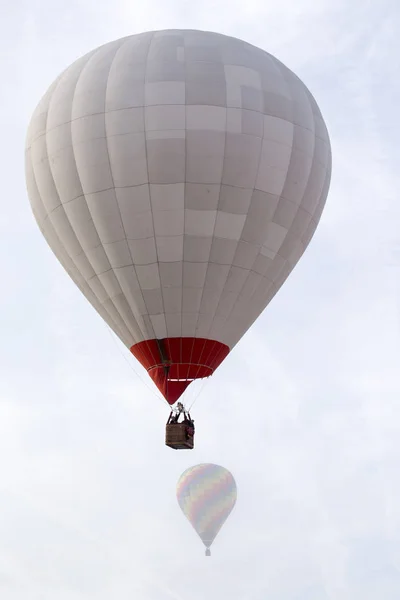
(174, 363)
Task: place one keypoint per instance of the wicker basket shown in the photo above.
(176, 438)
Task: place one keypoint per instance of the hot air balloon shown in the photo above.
(178, 176)
(206, 494)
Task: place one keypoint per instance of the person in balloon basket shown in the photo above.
(189, 427)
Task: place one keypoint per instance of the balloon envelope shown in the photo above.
(206, 494)
(178, 176)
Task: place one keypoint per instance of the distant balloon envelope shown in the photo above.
(178, 176)
(207, 495)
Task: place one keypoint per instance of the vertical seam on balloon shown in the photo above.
(285, 72)
(194, 332)
(208, 263)
(260, 246)
(238, 240)
(48, 94)
(122, 44)
(147, 340)
(310, 170)
(234, 304)
(29, 148)
(226, 320)
(126, 323)
(275, 287)
(216, 212)
(326, 186)
(248, 300)
(191, 355)
(237, 243)
(156, 359)
(249, 271)
(184, 205)
(83, 195)
(139, 318)
(209, 355)
(148, 179)
(89, 56)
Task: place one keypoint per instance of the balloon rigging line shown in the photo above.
(201, 390)
(132, 367)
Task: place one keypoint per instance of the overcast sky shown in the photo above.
(87, 487)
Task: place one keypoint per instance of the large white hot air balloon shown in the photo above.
(178, 176)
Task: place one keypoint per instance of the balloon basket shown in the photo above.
(176, 437)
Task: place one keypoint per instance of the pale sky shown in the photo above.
(87, 487)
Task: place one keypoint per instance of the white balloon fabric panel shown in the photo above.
(178, 176)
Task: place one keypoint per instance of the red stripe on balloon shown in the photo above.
(185, 359)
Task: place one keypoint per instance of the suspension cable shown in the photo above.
(131, 366)
(201, 390)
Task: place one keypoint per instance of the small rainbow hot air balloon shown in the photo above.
(206, 494)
